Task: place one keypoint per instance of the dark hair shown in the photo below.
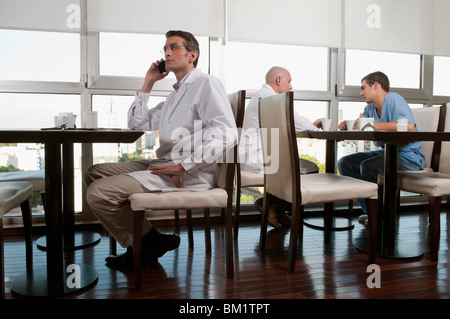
(379, 77)
(190, 42)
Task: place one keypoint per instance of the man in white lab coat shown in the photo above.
(198, 106)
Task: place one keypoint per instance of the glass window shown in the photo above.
(246, 64)
(441, 72)
(403, 70)
(312, 149)
(350, 110)
(35, 111)
(39, 56)
(129, 54)
(112, 112)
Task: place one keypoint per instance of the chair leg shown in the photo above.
(138, 222)
(26, 217)
(43, 199)
(264, 221)
(434, 226)
(177, 221)
(237, 210)
(207, 214)
(229, 251)
(2, 264)
(328, 221)
(296, 233)
(112, 246)
(190, 230)
(372, 205)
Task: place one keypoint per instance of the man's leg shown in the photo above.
(362, 165)
(110, 169)
(108, 199)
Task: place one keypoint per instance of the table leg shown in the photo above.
(58, 278)
(389, 246)
(72, 239)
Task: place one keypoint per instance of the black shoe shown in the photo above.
(124, 262)
(157, 244)
(167, 243)
(121, 262)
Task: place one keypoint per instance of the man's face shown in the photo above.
(176, 55)
(367, 92)
(285, 83)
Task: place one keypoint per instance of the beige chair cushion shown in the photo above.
(430, 183)
(326, 187)
(249, 179)
(37, 178)
(12, 194)
(213, 198)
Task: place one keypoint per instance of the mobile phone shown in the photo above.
(162, 66)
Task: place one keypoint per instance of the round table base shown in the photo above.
(35, 284)
(339, 223)
(401, 250)
(82, 239)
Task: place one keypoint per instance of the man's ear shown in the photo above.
(278, 80)
(192, 56)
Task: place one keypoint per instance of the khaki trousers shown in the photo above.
(107, 196)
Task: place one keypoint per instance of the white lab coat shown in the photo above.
(250, 144)
(196, 126)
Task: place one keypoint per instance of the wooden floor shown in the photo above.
(333, 271)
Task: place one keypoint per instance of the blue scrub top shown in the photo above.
(394, 108)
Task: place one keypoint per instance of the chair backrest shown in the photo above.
(279, 144)
(427, 120)
(237, 103)
(444, 158)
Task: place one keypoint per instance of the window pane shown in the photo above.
(403, 70)
(308, 65)
(112, 112)
(441, 72)
(35, 110)
(351, 111)
(129, 54)
(39, 56)
(314, 148)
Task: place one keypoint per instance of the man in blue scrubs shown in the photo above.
(386, 108)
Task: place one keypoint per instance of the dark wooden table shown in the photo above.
(56, 278)
(388, 245)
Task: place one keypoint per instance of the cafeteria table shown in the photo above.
(56, 279)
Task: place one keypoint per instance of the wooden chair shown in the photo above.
(237, 101)
(13, 194)
(285, 181)
(435, 184)
(219, 197)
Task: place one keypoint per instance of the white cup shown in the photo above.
(59, 120)
(90, 119)
(350, 124)
(69, 118)
(366, 124)
(326, 123)
(402, 125)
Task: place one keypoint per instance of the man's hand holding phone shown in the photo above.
(154, 74)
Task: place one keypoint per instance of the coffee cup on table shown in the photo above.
(326, 123)
(90, 119)
(350, 124)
